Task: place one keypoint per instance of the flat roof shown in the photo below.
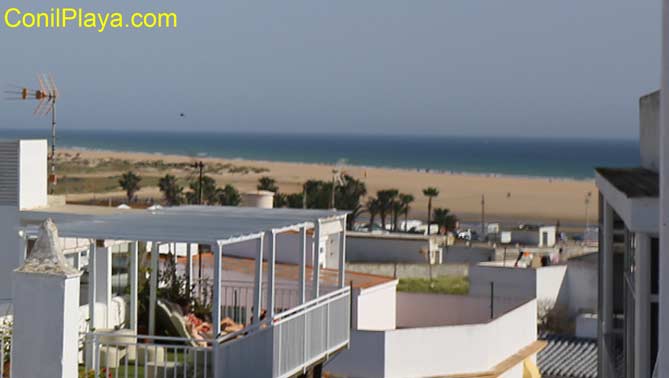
(197, 224)
(634, 182)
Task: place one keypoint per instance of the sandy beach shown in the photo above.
(507, 198)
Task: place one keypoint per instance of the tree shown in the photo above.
(171, 190)
(386, 198)
(373, 208)
(267, 183)
(294, 201)
(430, 193)
(229, 196)
(129, 181)
(445, 219)
(347, 197)
(406, 200)
(209, 191)
(318, 194)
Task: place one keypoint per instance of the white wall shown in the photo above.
(33, 174)
(363, 247)
(374, 307)
(11, 254)
(546, 284)
(582, 284)
(649, 131)
(287, 249)
(439, 351)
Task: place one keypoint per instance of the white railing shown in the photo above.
(5, 349)
(237, 298)
(117, 355)
(310, 332)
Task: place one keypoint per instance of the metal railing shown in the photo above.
(5, 350)
(307, 333)
(131, 356)
(237, 298)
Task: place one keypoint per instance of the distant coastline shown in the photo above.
(492, 157)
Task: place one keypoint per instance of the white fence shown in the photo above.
(5, 349)
(130, 356)
(237, 298)
(293, 340)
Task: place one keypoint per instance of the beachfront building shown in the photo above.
(267, 318)
(629, 259)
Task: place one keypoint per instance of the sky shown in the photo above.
(568, 68)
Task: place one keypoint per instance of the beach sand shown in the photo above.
(507, 199)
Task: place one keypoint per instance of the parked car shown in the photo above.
(468, 234)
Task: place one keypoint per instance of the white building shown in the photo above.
(630, 260)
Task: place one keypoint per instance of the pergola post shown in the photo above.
(303, 265)
(642, 316)
(271, 268)
(342, 254)
(153, 287)
(317, 260)
(92, 277)
(216, 309)
(663, 337)
(257, 282)
(189, 267)
(133, 285)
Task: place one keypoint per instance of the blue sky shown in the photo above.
(462, 67)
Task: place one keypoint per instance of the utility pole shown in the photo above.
(199, 165)
(483, 233)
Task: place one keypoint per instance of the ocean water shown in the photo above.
(568, 158)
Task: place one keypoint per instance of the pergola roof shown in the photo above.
(196, 224)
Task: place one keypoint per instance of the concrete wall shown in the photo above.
(582, 284)
(433, 310)
(649, 131)
(11, 255)
(408, 270)
(374, 308)
(364, 247)
(438, 351)
(546, 284)
(32, 174)
(460, 254)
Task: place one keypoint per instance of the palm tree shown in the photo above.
(348, 194)
(386, 198)
(267, 183)
(406, 200)
(129, 181)
(171, 190)
(445, 219)
(430, 193)
(373, 208)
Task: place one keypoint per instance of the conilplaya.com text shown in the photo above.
(63, 18)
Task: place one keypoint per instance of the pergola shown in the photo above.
(217, 227)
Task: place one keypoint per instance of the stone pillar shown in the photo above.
(46, 316)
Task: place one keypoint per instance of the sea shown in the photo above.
(534, 157)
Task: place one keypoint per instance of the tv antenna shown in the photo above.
(46, 96)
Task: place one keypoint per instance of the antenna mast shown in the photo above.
(46, 96)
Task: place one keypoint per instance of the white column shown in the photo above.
(642, 306)
(257, 283)
(271, 269)
(104, 283)
(606, 291)
(216, 308)
(153, 287)
(46, 325)
(342, 253)
(133, 285)
(92, 279)
(317, 261)
(663, 354)
(189, 267)
(303, 265)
